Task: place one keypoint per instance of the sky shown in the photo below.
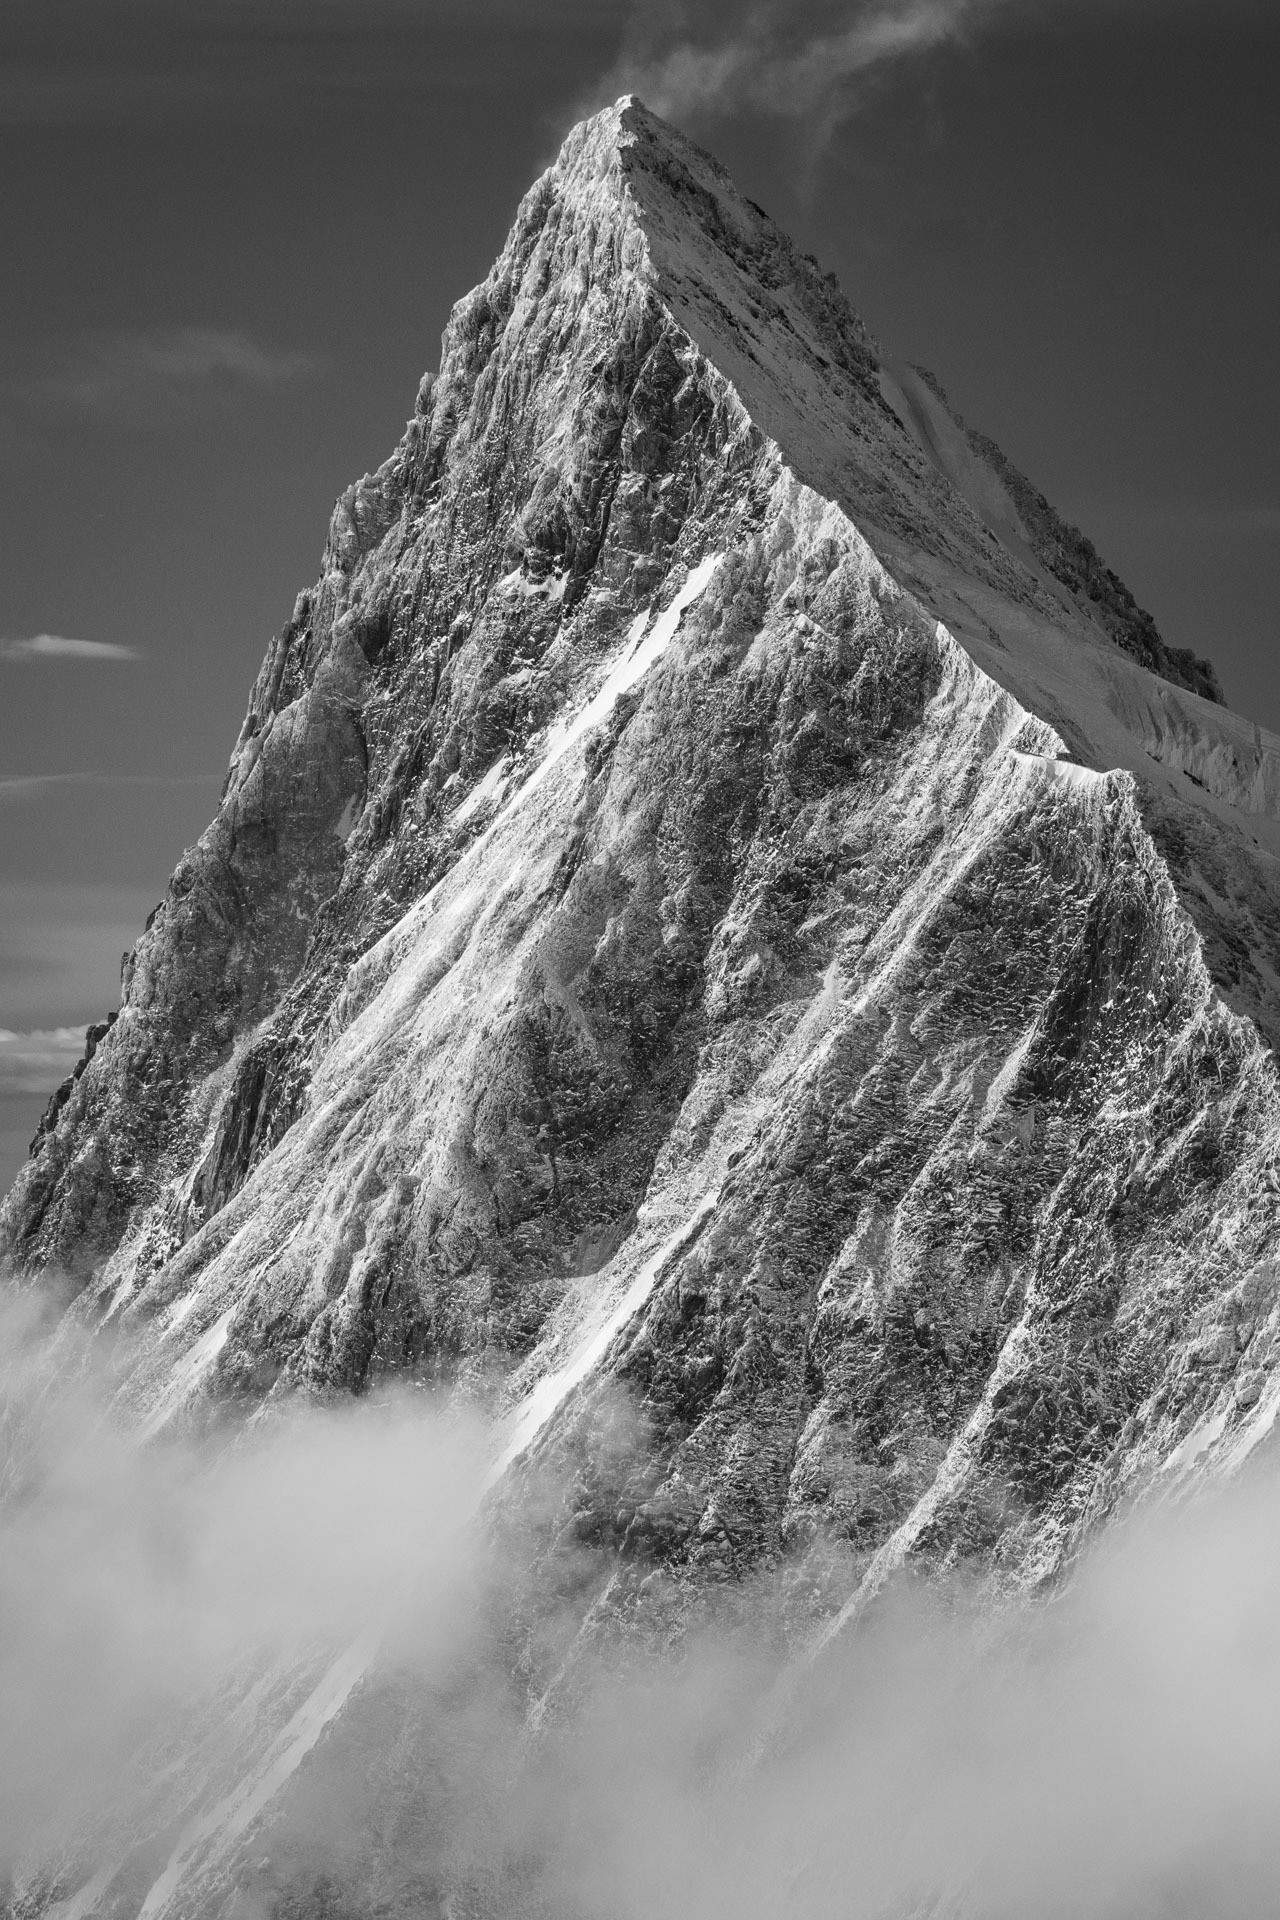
(233, 230)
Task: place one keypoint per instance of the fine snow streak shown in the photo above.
(638, 655)
(188, 1373)
(554, 1388)
(640, 650)
(225, 1823)
(210, 1838)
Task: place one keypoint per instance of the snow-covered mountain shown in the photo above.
(720, 896)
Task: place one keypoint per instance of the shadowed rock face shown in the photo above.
(689, 850)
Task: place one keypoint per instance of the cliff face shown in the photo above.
(702, 904)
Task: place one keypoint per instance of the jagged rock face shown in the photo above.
(641, 944)
(496, 936)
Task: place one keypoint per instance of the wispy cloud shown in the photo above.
(786, 58)
(57, 646)
(152, 375)
(20, 786)
(35, 1062)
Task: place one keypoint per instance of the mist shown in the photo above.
(139, 1584)
(1109, 1749)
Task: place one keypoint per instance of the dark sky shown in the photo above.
(232, 232)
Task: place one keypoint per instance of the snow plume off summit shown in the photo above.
(733, 951)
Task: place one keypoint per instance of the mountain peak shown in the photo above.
(687, 203)
(931, 492)
(628, 125)
(703, 917)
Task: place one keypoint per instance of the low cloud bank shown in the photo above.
(1112, 1753)
(140, 1584)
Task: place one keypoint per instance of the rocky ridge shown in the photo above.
(704, 907)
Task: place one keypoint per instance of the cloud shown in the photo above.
(786, 58)
(20, 786)
(1113, 1749)
(156, 375)
(56, 646)
(36, 1062)
(138, 1585)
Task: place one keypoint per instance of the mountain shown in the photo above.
(720, 898)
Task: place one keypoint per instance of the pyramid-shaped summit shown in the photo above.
(782, 330)
(721, 903)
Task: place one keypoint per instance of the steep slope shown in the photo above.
(699, 906)
(1020, 517)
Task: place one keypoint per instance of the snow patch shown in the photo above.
(346, 822)
(487, 789)
(208, 1840)
(517, 581)
(640, 652)
(544, 1401)
(1205, 1434)
(1066, 773)
(187, 1374)
(1003, 1081)
(641, 649)
(1254, 1431)
(123, 1290)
